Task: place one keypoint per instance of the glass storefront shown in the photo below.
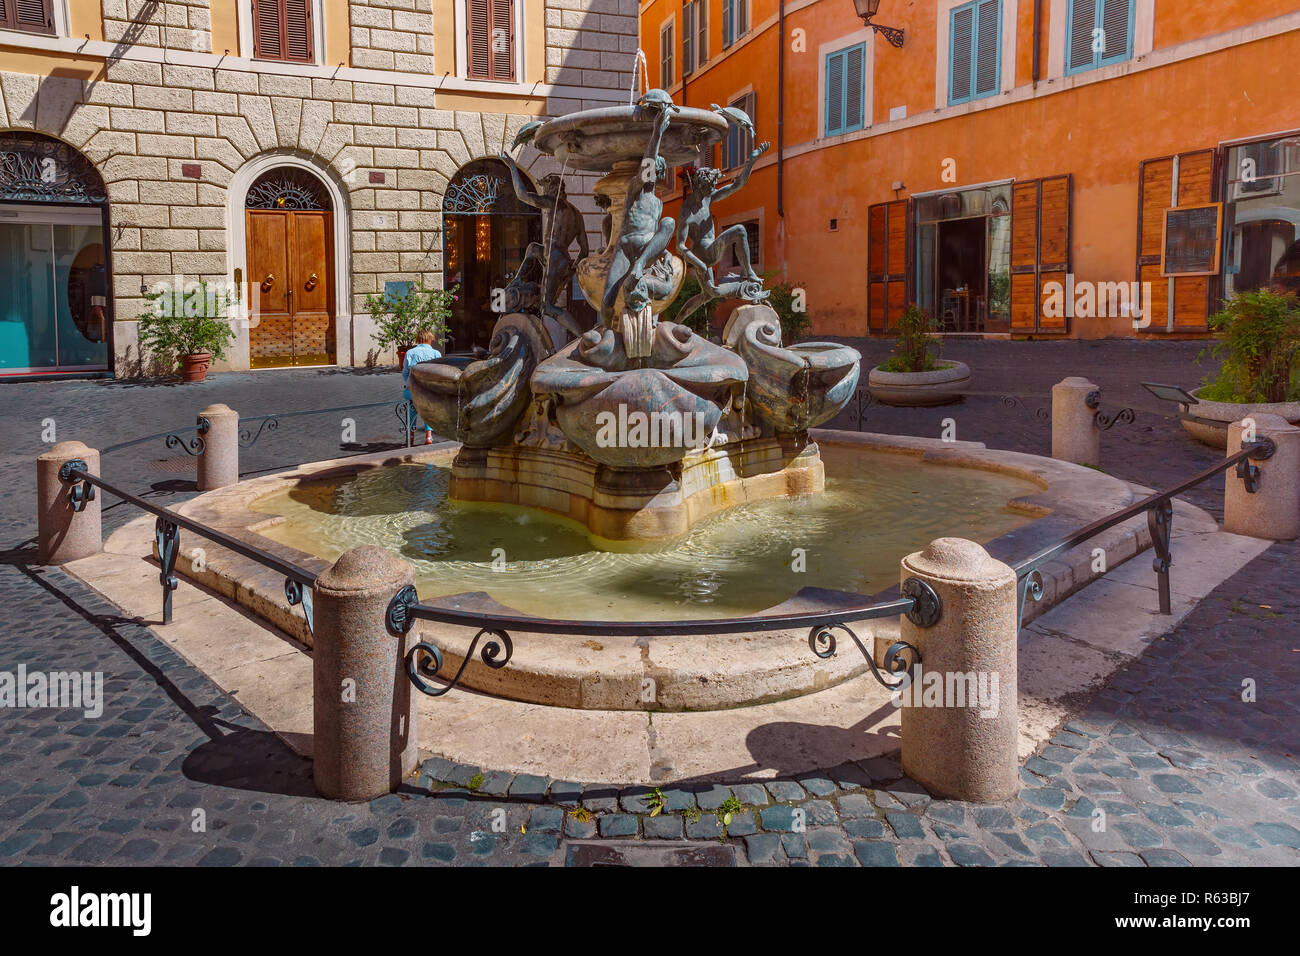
(1262, 216)
(963, 256)
(55, 305)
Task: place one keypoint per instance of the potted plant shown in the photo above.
(912, 375)
(400, 318)
(1259, 343)
(185, 329)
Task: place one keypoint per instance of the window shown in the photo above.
(688, 38)
(735, 21)
(1099, 32)
(491, 39)
(739, 143)
(845, 89)
(29, 16)
(754, 236)
(281, 30)
(974, 51)
(666, 55)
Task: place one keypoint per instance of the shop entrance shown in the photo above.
(963, 258)
(55, 308)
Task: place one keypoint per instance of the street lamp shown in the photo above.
(867, 9)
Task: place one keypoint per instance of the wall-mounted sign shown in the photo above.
(1192, 239)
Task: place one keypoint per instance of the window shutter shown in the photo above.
(702, 31)
(478, 18)
(728, 37)
(266, 38)
(297, 29)
(1116, 21)
(834, 94)
(688, 38)
(853, 89)
(29, 16)
(1183, 180)
(987, 54)
(502, 45)
(1040, 250)
(666, 56)
(887, 263)
(742, 16)
(1083, 20)
(961, 40)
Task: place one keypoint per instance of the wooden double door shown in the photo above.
(291, 287)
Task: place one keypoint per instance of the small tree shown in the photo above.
(399, 319)
(1259, 342)
(794, 322)
(912, 347)
(699, 320)
(181, 322)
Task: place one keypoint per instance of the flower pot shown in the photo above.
(1214, 431)
(194, 368)
(401, 355)
(939, 386)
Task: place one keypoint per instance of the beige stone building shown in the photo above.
(305, 152)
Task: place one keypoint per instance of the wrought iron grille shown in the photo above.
(287, 189)
(36, 168)
(477, 194)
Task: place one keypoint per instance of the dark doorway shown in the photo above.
(962, 274)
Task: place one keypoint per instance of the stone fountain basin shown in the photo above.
(694, 673)
(594, 140)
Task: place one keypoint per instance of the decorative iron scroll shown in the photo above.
(425, 660)
(899, 659)
(35, 168)
(477, 194)
(287, 189)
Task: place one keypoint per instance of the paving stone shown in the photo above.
(566, 792)
(875, 853)
(496, 783)
(1045, 832)
(1278, 834)
(906, 825)
(546, 819)
(1164, 816)
(663, 827)
(795, 846)
(818, 786)
(576, 829)
(711, 798)
(993, 818)
(678, 800)
(855, 805)
(618, 825)
(1116, 858)
(742, 824)
(1046, 798)
(600, 798)
(530, 787)
(1138, 834)
(782, 818)
(1164, 858)
(864, 827)
(920, 855)
(785, 791)
(1194, 843)
(947, 811)
(706, 827)
(1173, 783)
(1013, 841)
(1062, 858)
(763, 847)
(968, 854)
(751, 794)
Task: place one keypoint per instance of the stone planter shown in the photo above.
(1216, 436)
(194, 368)
(938, 387)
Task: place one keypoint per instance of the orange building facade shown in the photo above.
(1031, 168)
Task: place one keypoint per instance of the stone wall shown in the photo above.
(174, 24)
(388, 148)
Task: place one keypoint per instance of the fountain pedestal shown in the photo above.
(621, 506)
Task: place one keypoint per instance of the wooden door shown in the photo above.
(1182, 180)
(887, 264)
(291, 289)
(1040, 250)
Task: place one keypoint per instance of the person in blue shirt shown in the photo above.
(422, 351)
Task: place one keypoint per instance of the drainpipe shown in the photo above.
(780, 116)
(1038, 42)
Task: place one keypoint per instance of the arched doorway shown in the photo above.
(55, 307)
(289, 232)
(486, 231)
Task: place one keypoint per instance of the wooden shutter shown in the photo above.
(282, 30)
(728, 23)
(988, 55)
(1182, 180)
(702, 32)
(666, 55)
(490, 44)
(961, 39)
(887, 263)
(1040, 250)
(688, 39)
(834, 94)
(29, 16)
(741, 8)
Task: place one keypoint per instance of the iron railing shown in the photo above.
(424, 660)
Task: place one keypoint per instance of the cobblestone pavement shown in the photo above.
(1167, 756)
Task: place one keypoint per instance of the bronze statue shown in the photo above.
(562, 225)
(702, 250)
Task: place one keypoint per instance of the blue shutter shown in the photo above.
(727, 34)
(845, 90)
(988, 49)
(1114, 18)
(854, 60)
(834, 94)
(961, 48)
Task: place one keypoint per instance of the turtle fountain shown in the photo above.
(639, 427)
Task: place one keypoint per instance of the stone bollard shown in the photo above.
(960, 737)
(1273, 511)
(219, 461)
(364, 740)
(64, 534)
(1075, 436)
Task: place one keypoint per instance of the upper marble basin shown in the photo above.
(594, 140)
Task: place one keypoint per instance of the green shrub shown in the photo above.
(399, 319)
(1259, 343)
(911, 352)
(177, 323)
(795, 323)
